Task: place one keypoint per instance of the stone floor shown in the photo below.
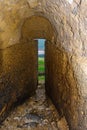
(37, 113)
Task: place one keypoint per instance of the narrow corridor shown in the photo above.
(37, 113)
(63, 24)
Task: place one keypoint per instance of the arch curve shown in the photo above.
(38, 27)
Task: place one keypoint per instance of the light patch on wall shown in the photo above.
(70, 1)
(32, 3)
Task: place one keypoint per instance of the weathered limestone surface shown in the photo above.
(67, 86)
(68, 19)
(19, 69)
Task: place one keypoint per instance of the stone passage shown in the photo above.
(64, 26)
(37, 113)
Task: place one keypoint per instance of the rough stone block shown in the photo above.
(18, 74)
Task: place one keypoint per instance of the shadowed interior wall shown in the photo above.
(18, 74)
(61, 84)
(65, 88)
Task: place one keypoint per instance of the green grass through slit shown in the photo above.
(41, 68)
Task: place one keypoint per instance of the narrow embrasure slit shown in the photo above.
(41, 61)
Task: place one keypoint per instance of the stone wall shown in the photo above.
(63, 88)
(18, 75)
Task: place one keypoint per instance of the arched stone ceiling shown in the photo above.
(37, 27)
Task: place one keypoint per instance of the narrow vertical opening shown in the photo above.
(41, 61)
